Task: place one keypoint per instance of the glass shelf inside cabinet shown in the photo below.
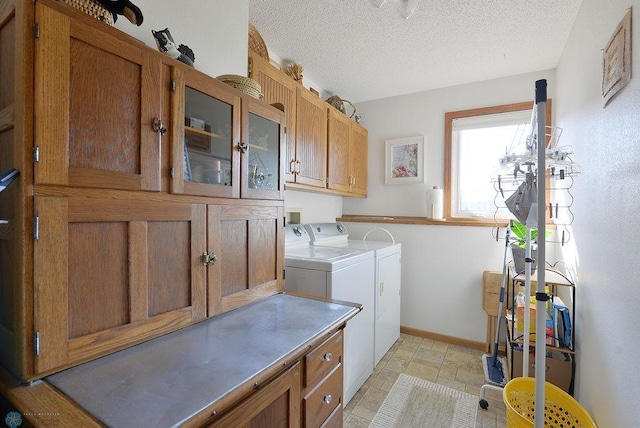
(264, 141)
(207, 139)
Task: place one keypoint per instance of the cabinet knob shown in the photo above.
(328, 356)
(242, 147)
(327, 398)
(158, 126)
(209, 258)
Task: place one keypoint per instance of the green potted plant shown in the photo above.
(517, 243)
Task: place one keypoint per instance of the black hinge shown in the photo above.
(285, 129)
(36, 30)
(284, 273)
(36, 343)
(36, 228)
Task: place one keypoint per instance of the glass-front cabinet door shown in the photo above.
(263, 150)
(206, 135)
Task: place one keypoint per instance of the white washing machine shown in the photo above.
(339, 274)
(387, 275)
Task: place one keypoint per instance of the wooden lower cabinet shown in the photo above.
(111, 273)
(309, 394)
(323, 381)
(274, 406)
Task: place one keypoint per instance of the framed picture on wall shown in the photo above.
(404, 160)
(616, 60)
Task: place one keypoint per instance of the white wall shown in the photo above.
(216, 31)
(607, 203)
(442, 265)
(314, 207)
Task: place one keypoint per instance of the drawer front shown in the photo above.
(320, 361)
(334, 420)
(323, 400)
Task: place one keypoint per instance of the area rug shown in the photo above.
(414, 402)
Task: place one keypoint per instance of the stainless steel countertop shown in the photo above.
(167, 380)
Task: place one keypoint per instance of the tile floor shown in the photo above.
(440, 362)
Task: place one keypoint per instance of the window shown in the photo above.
(474, 142)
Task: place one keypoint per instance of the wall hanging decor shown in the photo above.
(404, 163)
(616, 60)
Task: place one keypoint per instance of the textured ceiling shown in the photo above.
(360, 52)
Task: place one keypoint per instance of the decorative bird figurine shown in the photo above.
(166, 44)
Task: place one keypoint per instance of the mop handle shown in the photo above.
(502, 288)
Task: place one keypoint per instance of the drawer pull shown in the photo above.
(327, 398)
(328, 356)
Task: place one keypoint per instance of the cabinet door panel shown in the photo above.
(275, 405)
(206, 160)
(358, 159)
(92, 306)
(263, 163)
(278, 88)
(249, 243)
(311, 139)
(111, 273)
(338, 151)
(96, 97)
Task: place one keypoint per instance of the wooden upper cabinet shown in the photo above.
(206, 131)
(248, 242)
(311, 139)
(112, 273)
(339, 172)
(278, 88)
(347, 155)
(358, 159)
(96, 98)
(226, 143)
(263, 157)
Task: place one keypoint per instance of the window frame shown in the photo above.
(448, 152)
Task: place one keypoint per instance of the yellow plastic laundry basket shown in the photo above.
(561, 409)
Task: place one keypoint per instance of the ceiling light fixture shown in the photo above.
(405, 8)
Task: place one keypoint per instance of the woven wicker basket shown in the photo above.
(243, 84)
(92, 8)
(256, 44)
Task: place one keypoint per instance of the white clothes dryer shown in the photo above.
(340, 274)
(388, 277)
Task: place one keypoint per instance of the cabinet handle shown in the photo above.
(209, 258)
(158, 126)
(327, 398)
(298, 168)
(292, 166)
(328, 356)
(242, 147)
